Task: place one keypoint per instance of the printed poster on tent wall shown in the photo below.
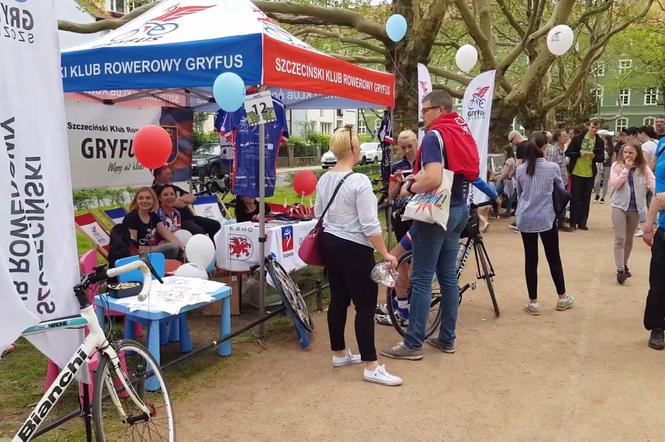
(101, 143)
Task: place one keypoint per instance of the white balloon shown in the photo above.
(466, 58)
(183, 236)
(191, 270)
(200, 250)
(560, 39)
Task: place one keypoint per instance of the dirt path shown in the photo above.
(584, 374)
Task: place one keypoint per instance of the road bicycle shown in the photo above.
(122, 402)
(470, 240)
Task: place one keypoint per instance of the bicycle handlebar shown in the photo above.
(140, 265)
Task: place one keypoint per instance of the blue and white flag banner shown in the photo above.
(477, 111)
(37, 237)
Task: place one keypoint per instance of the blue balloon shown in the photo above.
(229, 91)
(396, 27)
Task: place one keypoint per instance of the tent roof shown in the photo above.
(187, 43)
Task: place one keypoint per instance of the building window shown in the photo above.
(599, 70)
(649, 121)
(621, 124)
(651, 96)
(624, 97)
(322, 113)
(121, 6)
(326, 128)
(362, 129)
(598, 95)
(625, 65)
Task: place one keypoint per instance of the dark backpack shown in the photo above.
(120, 245)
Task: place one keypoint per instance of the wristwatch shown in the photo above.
(408, 187)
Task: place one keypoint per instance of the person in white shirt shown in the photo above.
(649, 138)
(351, 234)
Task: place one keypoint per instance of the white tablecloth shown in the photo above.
(238, 244)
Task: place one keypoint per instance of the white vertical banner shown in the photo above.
(424, 88)
(477, 111)
(37, 239)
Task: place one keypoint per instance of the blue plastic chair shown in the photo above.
(170, 330)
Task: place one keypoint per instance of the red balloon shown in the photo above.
(152, 146)
(304, 182)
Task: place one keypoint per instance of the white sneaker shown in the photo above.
(639, 232)
(380, 376)
(348, 359)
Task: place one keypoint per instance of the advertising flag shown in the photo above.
(477, 111)
(37, 239)
(424, 88)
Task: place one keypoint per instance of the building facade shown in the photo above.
(624, 90)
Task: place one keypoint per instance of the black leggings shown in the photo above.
(349, 265)
(550, 241)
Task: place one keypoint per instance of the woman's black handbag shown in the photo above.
(560, 199)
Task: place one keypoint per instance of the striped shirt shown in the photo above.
(556, 155)
(535, 211)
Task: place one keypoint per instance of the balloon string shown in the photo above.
(413, 88)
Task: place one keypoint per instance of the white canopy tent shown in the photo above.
(183, 45)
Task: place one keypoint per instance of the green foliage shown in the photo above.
(86, 199)
(321, 139)
(201, 138)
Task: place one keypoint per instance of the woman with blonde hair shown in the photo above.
(347, 202)
(145, 227)
(407, 142)
(630, 178)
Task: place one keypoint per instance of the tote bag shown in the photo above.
(432, 207)
(309, 249)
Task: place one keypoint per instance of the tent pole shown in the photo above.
(389, 207)
(262, 226)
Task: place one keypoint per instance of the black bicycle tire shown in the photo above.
(391, 311)
(300, 310)
(487, 276)
(98, 389)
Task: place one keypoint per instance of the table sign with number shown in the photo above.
(259, 108)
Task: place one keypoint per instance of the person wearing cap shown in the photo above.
(516, 139)
(584, 151)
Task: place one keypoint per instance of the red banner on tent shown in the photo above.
(288, 66)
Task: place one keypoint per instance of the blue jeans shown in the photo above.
(435, 250)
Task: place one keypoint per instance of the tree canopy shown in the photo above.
(532, 84)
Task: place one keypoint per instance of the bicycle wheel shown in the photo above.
(403, 285)
(139, 370)
(290, 293)
(485, 266)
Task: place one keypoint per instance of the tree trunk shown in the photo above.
(405, 114)
(501, 124)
